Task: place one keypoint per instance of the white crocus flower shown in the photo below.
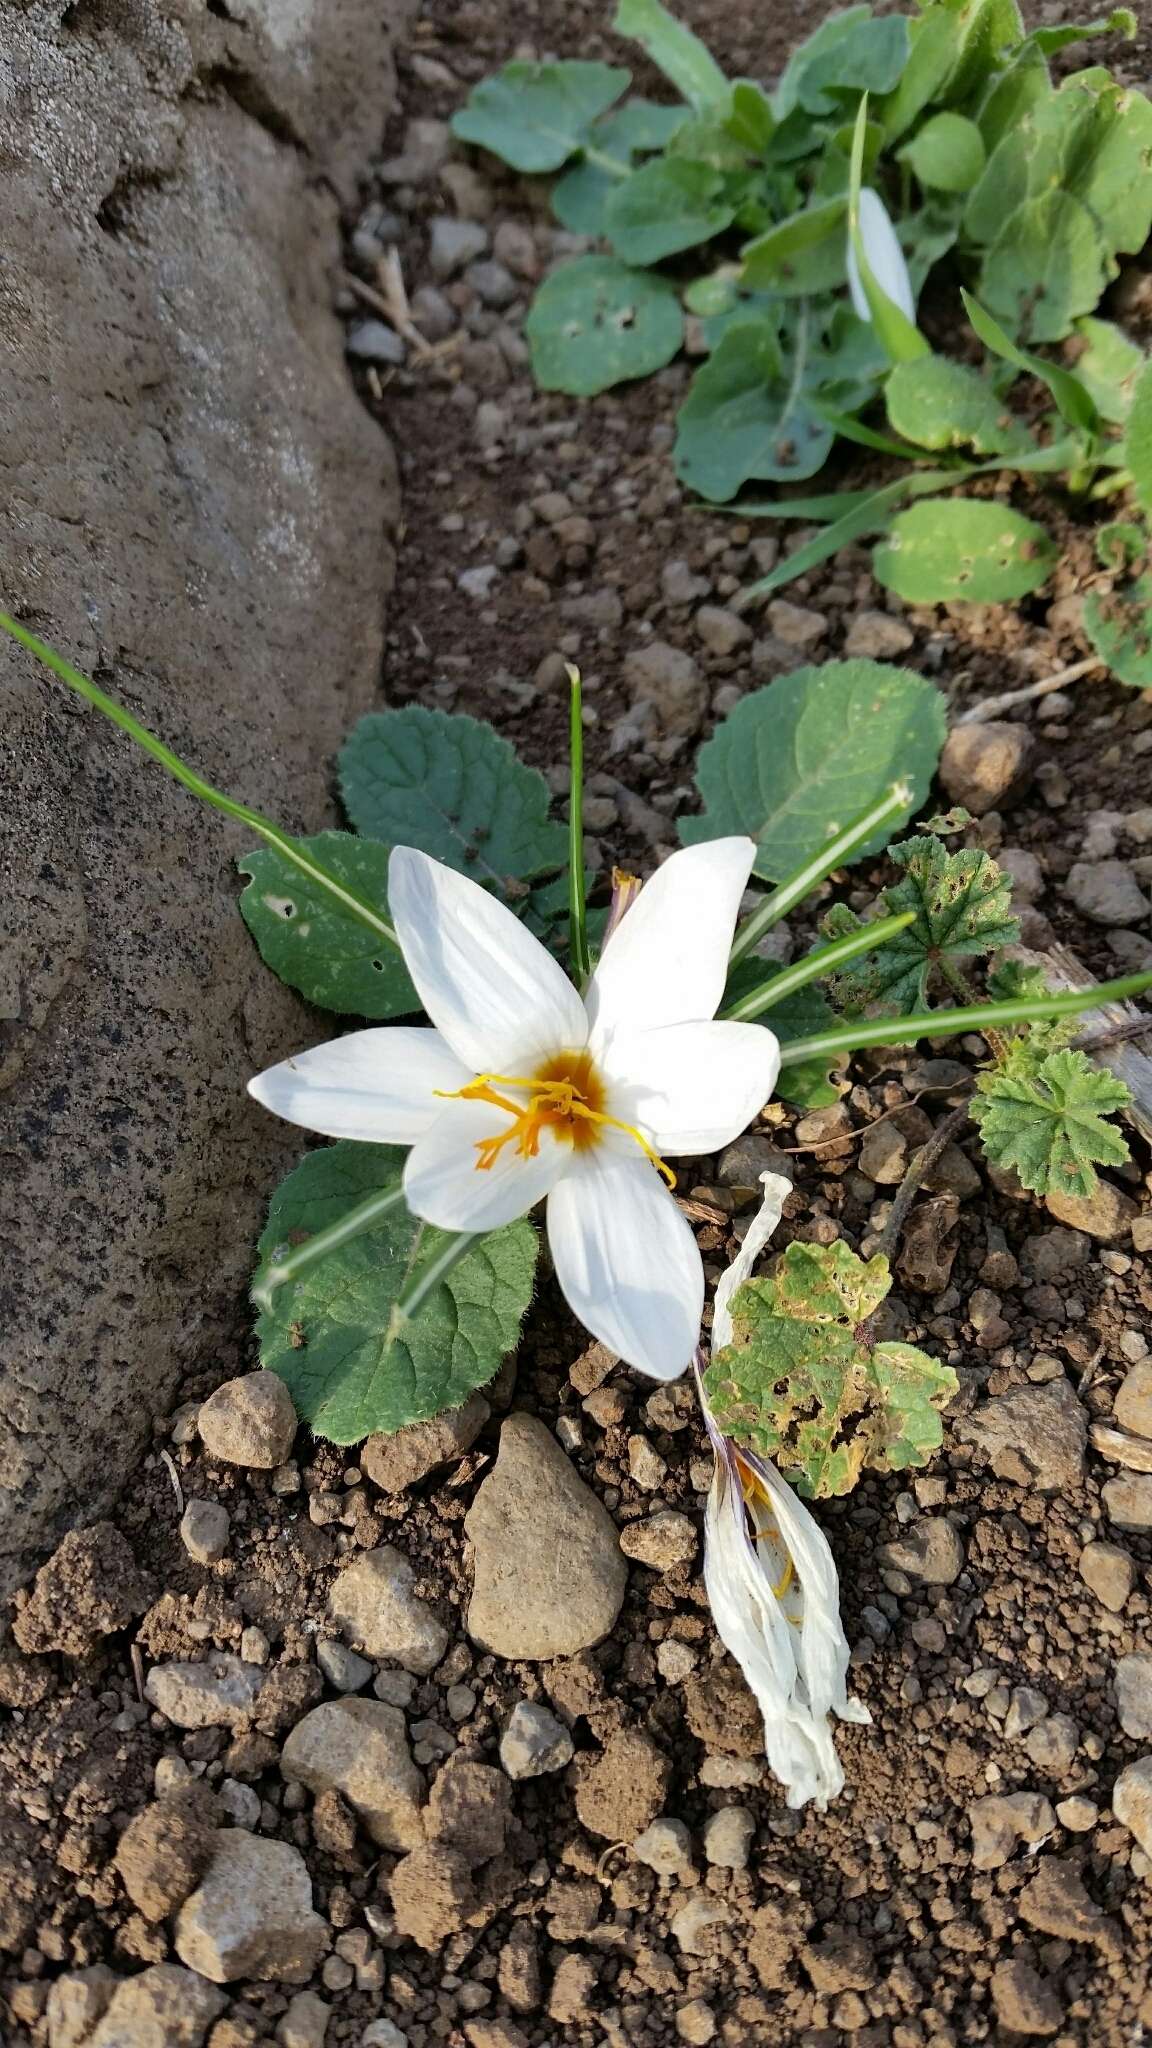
(772, 1583)
(525, 1089)
(884, 257)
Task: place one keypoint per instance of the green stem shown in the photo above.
(412, 1299)
(604, 162)
(815, 965)
(281, 842)
(798, 885)
(365, 1216)
(947, 1023)
(1108, 486)
(577, 901)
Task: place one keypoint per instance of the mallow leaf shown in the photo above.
(1045, 266)
(945, 549)
(1043, 1115)
(797, 760)
(804, 1383)
(350, 1363)
(319, 946)
(535, 116)
(961, 904)
(595, 323)
(449, 785)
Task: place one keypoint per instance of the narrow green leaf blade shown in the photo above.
(312, 942)
(449, 785)
(1074, 402)
(675, 51)
(330, 1335)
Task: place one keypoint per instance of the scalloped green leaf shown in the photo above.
(803, 1382)
(595, 323)
(795, 761)
(961, 905)
(748, 415)
(535, 116)
(1043, 1116)
(313, 944)
(451, 786)
(948, 550)
(331, 1335)
(946, 154)
(667, 205)
(941, 404)
(851, 52)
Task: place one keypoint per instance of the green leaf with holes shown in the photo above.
(804, 1382)
(748, 415)
(595, 323)
(351, 1366)
(946, 154)
(1042, 1115)
(452, 787)
(961, 905)
(312, 943)
(535, 116)
(942, 404)
(948, 549)
(795, 761)
(1118, 622)
(667, 205)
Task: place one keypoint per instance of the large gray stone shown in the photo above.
(196, 508)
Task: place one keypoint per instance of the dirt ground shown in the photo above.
(539, 530)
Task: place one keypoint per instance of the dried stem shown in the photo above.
(922, 1164)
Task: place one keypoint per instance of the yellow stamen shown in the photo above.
(753, 1491)
(560, 1101)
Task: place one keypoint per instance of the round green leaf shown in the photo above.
(947, 153)
(941, 404)
(330, 1334)
(535, 116)
(795, 761)
(451, 786)
(595, 323)
(971, 549)
(748, 414)
(667, 205)
(313, 943)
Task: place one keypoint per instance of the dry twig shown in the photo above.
(991, 707)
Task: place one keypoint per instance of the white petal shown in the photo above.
(692, 1087)
(776, 1192)
(445, 1184)
(377, 1085)
(499, 998)
(627, 1260)
(884, 256)
(667, 962)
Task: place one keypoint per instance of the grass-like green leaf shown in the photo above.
(595, 323)
(1043, 1115)
(351, 1366)
(451, 786)
(796, 760)
(313, 943)
(803, 1382)
(535, 116)
(948, 549)
(667, 205)
(961, 905)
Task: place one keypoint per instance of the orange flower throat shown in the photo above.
(565, 1095)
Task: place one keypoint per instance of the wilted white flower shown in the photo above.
(525, 1088)
(884, 257)
(772, 1581)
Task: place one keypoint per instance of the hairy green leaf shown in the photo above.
(668, 205)
(941, 404)
(747, 416)
(595, 323)
(675, 51)
(1042, 1114)
(962, 910)
(535, 116)
(312, 943)
(1109, 367)
(946, 549)
(796, 760)
(351, 1365)
(451, 786)
(946, 154)
(1011, 95)
(804, 1383)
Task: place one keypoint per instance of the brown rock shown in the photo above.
(722, 1711)
(930, 1244)
(1107, 1214)
(1056, 1903)
(775, 1936)
(165, 1850)
(535, 1526)
(197, 225)
(1132, 1801)
(359, 1748)
(1024, 2002)
(287, 1694)
(1001, 1821)
(668, 678)
(1110, 1572)
(377, 1609)
(1033, 1435)
(89, 1588)
(1133, 1404)
(619, 1794)
(24, 1681)
(518, 1971)
(929, 1550)
(470, 1809)
(984, 766)
(164, 2007)
(1128, 1501)
(397, 1462)
(249, 1421)
(252, 1915)
(432, 1894)
(841, 1963)
(75, 2003)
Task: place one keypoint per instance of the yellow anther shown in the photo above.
(561, 1101)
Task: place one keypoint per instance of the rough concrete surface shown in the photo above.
(194, 508)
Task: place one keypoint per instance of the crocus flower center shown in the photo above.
(567, 1095)
(764, 1522)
